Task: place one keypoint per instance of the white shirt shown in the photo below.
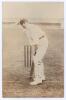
(33, 33)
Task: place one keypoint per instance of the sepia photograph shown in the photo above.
(33, 49)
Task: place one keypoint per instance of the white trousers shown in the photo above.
(38, 59)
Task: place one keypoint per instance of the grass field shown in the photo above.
(16, 76)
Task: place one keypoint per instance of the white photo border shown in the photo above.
(1, 98)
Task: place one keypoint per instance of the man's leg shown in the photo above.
(39, 67)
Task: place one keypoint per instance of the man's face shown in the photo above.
(23, 23)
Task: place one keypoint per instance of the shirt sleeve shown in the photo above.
(30, 39)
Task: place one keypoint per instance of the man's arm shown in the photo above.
(30, 39)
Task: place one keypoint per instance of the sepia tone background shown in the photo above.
(50, 17)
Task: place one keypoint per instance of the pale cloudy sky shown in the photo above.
(33, 10)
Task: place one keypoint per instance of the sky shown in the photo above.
(40, 10)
